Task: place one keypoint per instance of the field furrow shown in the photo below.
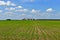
(29, 30)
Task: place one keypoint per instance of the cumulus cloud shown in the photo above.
(22, 10)
(9, 13)
(23, 14)
(25, 10)
(24, 1)
(49, 10)
(35, 11)
(1, 11)
(2, 3)
(19, 7)
(31, 0)
(10, 9)
(15, 9)
(8, 3)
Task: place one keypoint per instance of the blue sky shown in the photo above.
(37, 9)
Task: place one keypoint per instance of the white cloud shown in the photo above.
(35, 11)
(2, 3)
(12, 4)
(9, 13)
(8, 3)
(22, 10)
(11, 9)
(25, 1)
(31, 0)
(25, 10)
(49, 10)
(19, 7)
(1, 11)
(23, 14)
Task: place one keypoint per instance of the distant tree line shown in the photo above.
(28, 19)
(8, 19)
(38, 19)
(21, 19)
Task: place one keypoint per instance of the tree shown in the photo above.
(8, 19)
